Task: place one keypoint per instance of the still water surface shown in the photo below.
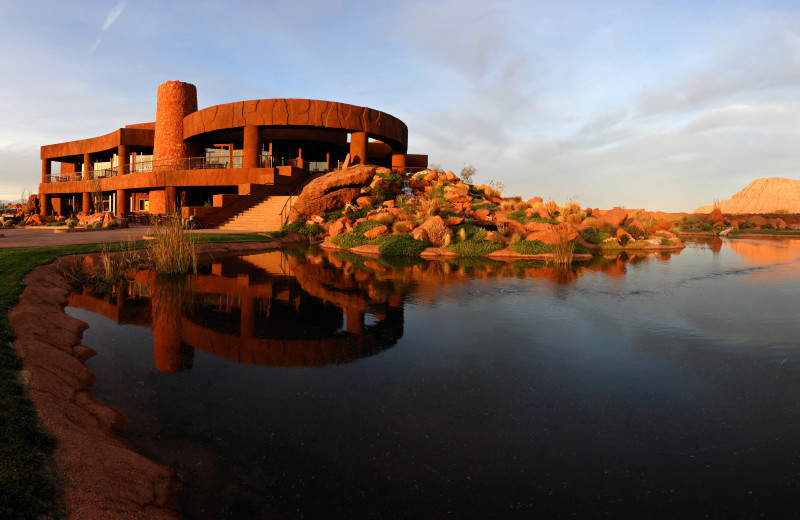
(324, 385)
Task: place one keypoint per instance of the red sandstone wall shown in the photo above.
(158, 201)
(175, 101)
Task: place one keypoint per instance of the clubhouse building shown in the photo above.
(216, 162)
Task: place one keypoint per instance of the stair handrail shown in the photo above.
(287, 206)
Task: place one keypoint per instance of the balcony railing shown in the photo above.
(191, 163)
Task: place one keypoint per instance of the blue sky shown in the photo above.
(662, 105)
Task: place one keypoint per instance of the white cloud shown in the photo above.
(110, 19)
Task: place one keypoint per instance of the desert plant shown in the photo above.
(438, 233)
(521, 206)
(401, 245)
(531, 247)
(401, 226)
(593, 236)
(385, 219)
(172, 251)
(507, 205)
(551, 206)
(516, 237)
(497, 187)
(563, 248)
(468, 174)
(474, 247)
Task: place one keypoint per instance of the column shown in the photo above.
(87, 162)
(46, 169)
(122, 203)
(399, 162)
(122, 152)
(86, 202)
(252, 146)
(355, 320)
(248, 318)
(358, 148)
(44, 204)
(170, 194)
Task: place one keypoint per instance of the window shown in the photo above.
(144, 204)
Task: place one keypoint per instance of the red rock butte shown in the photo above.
(218, 162)
(767, 195)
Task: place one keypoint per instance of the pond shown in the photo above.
(312, 384)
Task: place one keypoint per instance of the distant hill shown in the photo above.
(768, 195)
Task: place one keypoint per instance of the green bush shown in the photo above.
(522, 218)
(401, 245)
(472, 231)
(363, 227)
(581, 249)
(485, 205)
(531, 247)
(667, 242)
(298, 227)
(474, 247)
(352, 239)
(56, 223)
(390, 177)
(594, 236)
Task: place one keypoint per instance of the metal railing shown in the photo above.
(273, 161)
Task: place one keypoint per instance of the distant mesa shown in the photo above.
(768, 195)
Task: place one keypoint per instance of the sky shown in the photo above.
(641, 104)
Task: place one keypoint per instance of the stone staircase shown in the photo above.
(263, 216)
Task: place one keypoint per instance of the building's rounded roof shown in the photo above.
(303, 113)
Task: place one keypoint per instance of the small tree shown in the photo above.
(468, 174)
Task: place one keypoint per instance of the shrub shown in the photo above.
(469, 231)
(507, 205)
(56, 223)
(623, 240)
(531, 247)
(363, 227)
(401, 245)
(581, 249)
(485, 205)
(564, 247)
(516, 237)
(401, 226)
(438, 233)
(522, 218)
(667, 242)
(385, 219)
(468, 174)
(173, 251)
(521, 206)
(551, 206)
(594, 236)
(352, 239)
(474, 247)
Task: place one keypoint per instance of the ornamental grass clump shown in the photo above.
(563, 248)
(438, 233)
(172, 251)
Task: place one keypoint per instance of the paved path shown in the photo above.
(46, 236)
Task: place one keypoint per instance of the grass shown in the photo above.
(29, 485)
(172, 251)
(401, 245)
(474, 247)
(765, 232)
(531, 247)
(522, 218)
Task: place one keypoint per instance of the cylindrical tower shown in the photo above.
(175, 101)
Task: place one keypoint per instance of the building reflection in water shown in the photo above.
(292, 309)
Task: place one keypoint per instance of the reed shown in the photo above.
(173, 250)
(563, 247)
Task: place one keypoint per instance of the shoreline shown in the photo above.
(104, 477)
(103, 474)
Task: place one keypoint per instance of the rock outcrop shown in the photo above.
(331, 191)
(768, 195)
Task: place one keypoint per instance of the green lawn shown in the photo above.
(765, 232)
(29, 487)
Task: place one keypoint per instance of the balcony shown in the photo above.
(191, 163)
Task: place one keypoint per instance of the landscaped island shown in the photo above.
(433, 213)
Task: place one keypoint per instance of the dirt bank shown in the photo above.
(104, 476)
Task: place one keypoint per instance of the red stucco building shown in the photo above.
(219, 161)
